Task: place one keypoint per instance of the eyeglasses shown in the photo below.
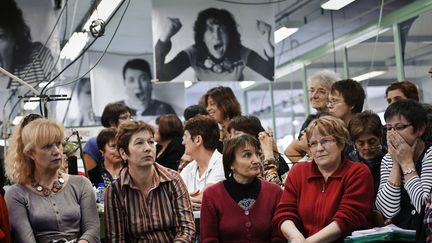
(318, 92)
(325, 142)
(333, 101)
(398, 127)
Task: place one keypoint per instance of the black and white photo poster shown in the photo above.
(127, 79)
(213, 41)
(29, 48)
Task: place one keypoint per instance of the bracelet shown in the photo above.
(394, 184)
(409, 171)
(269, 162)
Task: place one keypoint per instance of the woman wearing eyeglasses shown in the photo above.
(346, 99)
(330, 197)
(406, 171)
(319, 89)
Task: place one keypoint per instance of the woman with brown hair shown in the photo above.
(149, 203)
(400, 91)
(169, 148)
(248, 204)
(221, 103)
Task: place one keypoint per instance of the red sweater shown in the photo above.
(223, 220)
(5, 231)
(311, 203)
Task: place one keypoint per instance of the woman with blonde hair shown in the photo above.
(46, 205)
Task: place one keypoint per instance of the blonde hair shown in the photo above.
(19, 166)
(329, 126)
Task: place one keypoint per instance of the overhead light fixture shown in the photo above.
(245, 84)
(335, 4)
(284, 32)
(74, 45)
(44, 83)
(289, 68)
(187, 84)
(78, 40)
(31, 104)
(2, 142)
(369, 75)
(103, 11)
(364, 37)
(17, 120)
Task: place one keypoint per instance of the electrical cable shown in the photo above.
(102, 55)
(377, 36)
(73, 91)
(88, 46)
(333, 41)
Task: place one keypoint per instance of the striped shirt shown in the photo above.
(39, 68)
(164, 216)
(418, 187)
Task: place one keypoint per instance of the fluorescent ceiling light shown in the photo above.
(74, 45)
(335, 4)
(364, 37)
(368, 75)
(43, 84)
(79, 39)
(245, 84)
(103, 11)
(187, 84)
(283, 33)
(288, 69)
(17, 120)
(31, 104)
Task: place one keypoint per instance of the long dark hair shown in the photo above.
(12, 20)
(223, 18)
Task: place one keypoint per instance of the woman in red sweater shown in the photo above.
(240, 209)
(328, 198)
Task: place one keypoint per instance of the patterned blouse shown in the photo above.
(164, 216)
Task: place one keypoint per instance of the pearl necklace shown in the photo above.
(57, 185)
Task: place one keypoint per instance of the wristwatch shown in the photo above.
(409, 171)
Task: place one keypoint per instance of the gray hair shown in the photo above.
(326, 76)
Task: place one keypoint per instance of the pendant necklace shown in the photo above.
(57, 185)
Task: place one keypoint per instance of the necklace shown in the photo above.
(219, 67)
(57, 185)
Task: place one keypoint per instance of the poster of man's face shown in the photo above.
(128, 79)
(213, 41)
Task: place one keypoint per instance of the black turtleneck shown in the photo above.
(243, 194)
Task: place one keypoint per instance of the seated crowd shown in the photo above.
(218, 177)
